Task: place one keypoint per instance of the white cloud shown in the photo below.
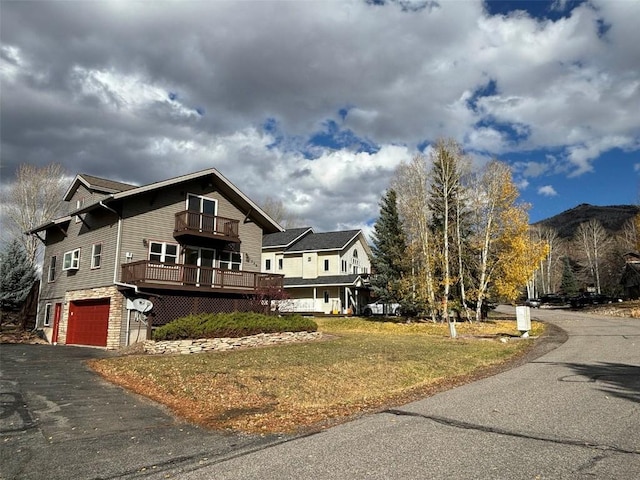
(88, 84)
(547, 191)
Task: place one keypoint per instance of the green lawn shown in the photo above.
(360, 366)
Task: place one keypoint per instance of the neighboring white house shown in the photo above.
(323, 272)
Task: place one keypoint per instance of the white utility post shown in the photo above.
(523, 320)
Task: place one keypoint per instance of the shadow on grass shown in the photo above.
(616, 379)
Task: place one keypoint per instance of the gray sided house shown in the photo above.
(325, 273)
(126, 257)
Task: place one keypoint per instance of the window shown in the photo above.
(71, 260)
(230, 260)
(326, 296)
(267, 264)
(206, 208)
(326, 265)
(52, 269)
(46, 316)
(163, 252)
(96, 255)
(79, 204)
(279, 264)
(344, 266)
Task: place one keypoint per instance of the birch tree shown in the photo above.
(550, 268)
(593, 242)
(445, 191)
(34, 198)
(411, 182)
(277, 210)
(499, 226)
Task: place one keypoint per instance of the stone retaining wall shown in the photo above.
(221, 344)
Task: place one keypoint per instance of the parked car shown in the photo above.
(553, 299)
(532, 302)
(380, 308)
(589, 298)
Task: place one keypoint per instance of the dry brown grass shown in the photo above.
(364, 366)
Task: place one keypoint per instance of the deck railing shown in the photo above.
(202, 223)
(166, 275)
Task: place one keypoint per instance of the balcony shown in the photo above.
(190, 277)
(193, 226)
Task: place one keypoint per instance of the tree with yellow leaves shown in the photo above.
(507, 258)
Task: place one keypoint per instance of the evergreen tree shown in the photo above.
(389, 251)
(569, 284)
(17, 275)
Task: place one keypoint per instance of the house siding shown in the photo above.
(155, 212)
(83, 193)
(144, 217)
(102, 229)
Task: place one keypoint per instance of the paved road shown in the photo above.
(573, 413)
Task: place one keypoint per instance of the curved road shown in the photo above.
(573, 413)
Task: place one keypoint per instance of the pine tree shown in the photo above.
(389, 251)
(569, 284)
(17, 275)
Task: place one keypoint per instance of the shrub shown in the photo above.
(237, 324)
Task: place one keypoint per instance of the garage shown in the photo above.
(88, 322)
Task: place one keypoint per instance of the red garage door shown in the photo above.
(88, 322)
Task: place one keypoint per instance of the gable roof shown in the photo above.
(315, 242)
(249, 208)
(284, 239)
(102, 185)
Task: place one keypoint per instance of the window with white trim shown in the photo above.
(79, 205)
(267, 264)
(344, 266)
(326, 296)
(163, 252)
(279, 264)
(96, 255)
(71, 260)
(231, 260)
(51, 277)
(326, 265)
(46, 315)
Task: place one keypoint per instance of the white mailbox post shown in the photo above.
(523, 319)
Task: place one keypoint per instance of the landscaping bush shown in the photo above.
(237, 324)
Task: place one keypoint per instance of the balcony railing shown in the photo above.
(190, 277)
(205, 225)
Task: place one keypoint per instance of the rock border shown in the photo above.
(201, 345)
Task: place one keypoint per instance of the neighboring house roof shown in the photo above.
(326, 281)
(98, 184)
(250, 209)
(284, 239)
(315, 242)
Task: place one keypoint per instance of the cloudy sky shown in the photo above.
(317, 102)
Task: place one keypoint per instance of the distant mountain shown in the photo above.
(612, 218)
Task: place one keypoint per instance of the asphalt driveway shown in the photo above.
(58, 420)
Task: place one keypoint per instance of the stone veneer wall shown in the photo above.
(115, 312)
(220, 344)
